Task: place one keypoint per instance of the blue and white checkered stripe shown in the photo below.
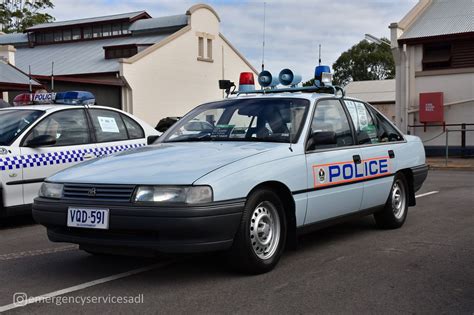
(59, 157)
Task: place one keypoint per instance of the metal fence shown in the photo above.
(463, 140)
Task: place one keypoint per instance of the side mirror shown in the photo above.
(41, 141)
(151, 139)
(321, 138)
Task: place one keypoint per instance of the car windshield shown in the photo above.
(14, 121)
(267, 120)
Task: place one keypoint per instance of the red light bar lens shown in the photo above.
(22, 99)
(246, 78)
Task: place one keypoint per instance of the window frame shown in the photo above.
(45, 116)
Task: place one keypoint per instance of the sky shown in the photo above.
(294, 28)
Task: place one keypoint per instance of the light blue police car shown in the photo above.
(275, 163)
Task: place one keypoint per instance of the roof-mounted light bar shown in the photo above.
(322, 83)
(63, 98)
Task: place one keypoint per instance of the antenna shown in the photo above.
(263, 42)
(29, 78)
(52, 76)
(319, 54)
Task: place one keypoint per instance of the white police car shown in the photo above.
(39, 140)
(275, 165)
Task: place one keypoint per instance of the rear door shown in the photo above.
(331, 169)
(378, 142)
(73, 145)
(115, 132)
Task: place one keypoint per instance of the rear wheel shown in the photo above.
(260, 240)
(396, 209)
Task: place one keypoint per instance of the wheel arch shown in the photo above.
(408, 173)
(285, 195)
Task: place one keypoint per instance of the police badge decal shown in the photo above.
(321, 175)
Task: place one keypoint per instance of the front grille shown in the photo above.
(98, 192)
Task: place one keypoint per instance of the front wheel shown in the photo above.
(395, 211)
(260, 240)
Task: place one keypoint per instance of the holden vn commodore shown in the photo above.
(276, 163)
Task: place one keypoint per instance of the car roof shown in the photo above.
(308, 96)
(54, 107)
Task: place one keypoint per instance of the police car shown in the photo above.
(277, 163)
(37, 141)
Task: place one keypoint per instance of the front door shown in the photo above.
(73, 145)
(332, 168)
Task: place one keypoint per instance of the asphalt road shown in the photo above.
(425, 267)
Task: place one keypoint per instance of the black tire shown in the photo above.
(395, 212)
(243, 254)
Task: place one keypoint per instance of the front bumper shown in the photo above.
(171, 229)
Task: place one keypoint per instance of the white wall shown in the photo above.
(458, 89)
(170, 80)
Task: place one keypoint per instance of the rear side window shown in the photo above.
(385, 130)
(370, 125)
(364, 123)
(135, 131)
(108, 125)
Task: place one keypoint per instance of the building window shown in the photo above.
(106, 30)
(437, 56)
(116, 30)
(87, 32)
(97, 31)
(204, 46)
(67, 35)
(209, 48)
(201, 47)
(112, 52)
(79, 33)
(58, 36)
(76, 34)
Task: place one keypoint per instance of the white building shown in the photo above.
(433, 47)
(150, 67)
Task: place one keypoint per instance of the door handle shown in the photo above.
(391, 154)
(356, 159)
(88, 156)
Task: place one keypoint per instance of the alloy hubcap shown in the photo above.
(265, 230)
(398, 199)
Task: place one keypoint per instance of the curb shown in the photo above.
(451, 167)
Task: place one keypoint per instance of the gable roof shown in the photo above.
(443, 17)
(123, 16)
(84, 57)
(164, 22)
(10, 75)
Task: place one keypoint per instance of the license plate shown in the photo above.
(88, 218)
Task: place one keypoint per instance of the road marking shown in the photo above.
(427, 194)
(81, 286)
(37, 252)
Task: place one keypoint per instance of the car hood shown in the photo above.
(167, 164)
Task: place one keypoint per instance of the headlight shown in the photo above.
(51, 190)
(173, 194)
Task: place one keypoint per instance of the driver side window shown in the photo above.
(330, 119)
(67, 127)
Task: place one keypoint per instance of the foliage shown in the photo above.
(17, 15)
(363, 61)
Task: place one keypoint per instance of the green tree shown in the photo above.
(363, 61)
(18, 15)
